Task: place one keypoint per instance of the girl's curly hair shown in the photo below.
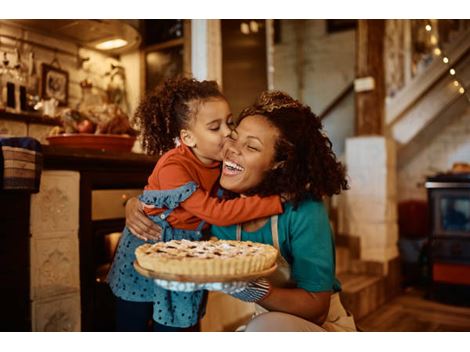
(163, 113)
(307, 164)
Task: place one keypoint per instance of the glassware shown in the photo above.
(8, 84)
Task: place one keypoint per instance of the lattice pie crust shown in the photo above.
(206, 258)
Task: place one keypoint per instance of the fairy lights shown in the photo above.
(456, 82)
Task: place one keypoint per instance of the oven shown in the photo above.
(108, 221)
(449, 210)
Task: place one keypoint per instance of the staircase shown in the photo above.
(430, 101)
(366, 285)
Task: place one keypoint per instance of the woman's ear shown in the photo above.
(279, 165)
(187, 138)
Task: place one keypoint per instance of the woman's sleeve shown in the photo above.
(213, 210)
(313, 266)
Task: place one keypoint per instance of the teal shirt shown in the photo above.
(305, 241)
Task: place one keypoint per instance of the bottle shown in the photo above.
(8, 85)
(20, 72)
(32, 88)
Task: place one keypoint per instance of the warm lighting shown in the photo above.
(428, 27)
(452, 71)
(437, 51)
(456, 83)
(111, 44)
(445, 60)
(461, 90)
(433, 40)
(254, 26)
(244, 28)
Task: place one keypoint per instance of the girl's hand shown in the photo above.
(139, 224)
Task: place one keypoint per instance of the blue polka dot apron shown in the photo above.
(171, 308)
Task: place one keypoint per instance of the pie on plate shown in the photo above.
(205, 261)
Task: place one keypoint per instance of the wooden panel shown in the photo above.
(14, 261)
(244, 70)
(370, 105)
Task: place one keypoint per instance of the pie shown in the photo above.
(206, 258)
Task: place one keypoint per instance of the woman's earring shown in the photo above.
(279, 165)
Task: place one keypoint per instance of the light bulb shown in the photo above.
(445, 59)
(456, 83)
(452, 71)
(461, 90)
(437, 51)
(428, 27)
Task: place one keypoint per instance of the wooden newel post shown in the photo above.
(370, 78)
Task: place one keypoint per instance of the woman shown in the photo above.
(278, 148)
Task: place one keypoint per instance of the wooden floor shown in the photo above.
(411, 311)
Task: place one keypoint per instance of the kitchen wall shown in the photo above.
(450, 146)
(93, 69)
(315, 66)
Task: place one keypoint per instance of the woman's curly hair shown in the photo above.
(163, 113)
(307, 164)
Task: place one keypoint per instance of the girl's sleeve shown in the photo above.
(313, 266)
(213, 210)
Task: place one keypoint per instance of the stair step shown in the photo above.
(362, 293)
(343, 259)
(353, 283)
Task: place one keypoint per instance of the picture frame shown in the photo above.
(54, 84)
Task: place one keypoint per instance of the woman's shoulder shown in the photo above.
(308, 205)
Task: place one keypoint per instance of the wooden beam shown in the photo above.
(370, 105)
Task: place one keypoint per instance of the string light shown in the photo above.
(445, 59)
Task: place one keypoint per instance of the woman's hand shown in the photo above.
(139, 224)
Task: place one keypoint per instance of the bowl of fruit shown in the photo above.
(104, 128)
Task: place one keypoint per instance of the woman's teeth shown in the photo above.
(232, 168)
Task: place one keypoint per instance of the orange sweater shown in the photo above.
(180, 166)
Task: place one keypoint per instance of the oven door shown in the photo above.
(108, 221)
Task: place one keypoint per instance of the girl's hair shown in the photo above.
(307, 164)
(163, 113)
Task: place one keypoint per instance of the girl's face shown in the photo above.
(248, 154)
(208, 130)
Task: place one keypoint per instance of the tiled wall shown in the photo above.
(451, 145)
(327, 68)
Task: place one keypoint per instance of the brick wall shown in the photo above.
(326, 67)
(93, 70)
(451, 145)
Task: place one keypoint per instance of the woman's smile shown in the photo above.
(231, 168)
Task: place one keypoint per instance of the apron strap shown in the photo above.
(239, 233)
(275, 232)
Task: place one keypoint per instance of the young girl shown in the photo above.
(180, 198)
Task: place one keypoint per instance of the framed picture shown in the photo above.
(54, 83)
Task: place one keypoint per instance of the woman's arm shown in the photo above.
(312, 306)
(138, 223)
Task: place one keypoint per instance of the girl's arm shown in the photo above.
(211, 209)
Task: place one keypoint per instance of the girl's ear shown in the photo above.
(187, 138)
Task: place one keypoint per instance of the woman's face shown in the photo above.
(248, 154)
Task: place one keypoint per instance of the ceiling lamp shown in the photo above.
(111, 44)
